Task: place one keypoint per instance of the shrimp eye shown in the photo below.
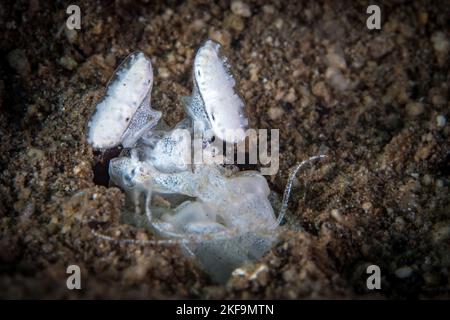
(128, 178)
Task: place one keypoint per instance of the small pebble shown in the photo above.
(427, 180)
(261, 275)
(400, 223)
(336, 215)
(403, 272)
(68, 62)
(367, 206)
(415, 109)
(291, 97)
(423, 153)
(268, 40)
(440, 42)
(441, 46)
(47, 248)
(320, 89)
(336, 79)
(263, 278)
(28, 211)
(35, 154)
(167, 15)
(441, 232)
(241, 9)
(221, 36)
(98, 28)
(71, 35)
(19, 62)
(336, 60)
(431, 279)
(254, 71)
(279, 23)
(234, 22)
(275, 113)
(441, 121)
(438, 96)
(76, 170)
(381, 46)
(239, 272)
(197, 25)
(268, 9)
(163, 72)
(423, 18)
(289, 275)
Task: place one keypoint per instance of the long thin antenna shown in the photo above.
(290, 181)
(137, 241)
(187, 240)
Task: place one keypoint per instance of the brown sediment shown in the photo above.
(376, 102)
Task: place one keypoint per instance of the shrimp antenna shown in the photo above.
(124, 241)
(290, 182)
(187, 240)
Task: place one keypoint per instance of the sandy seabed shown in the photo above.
(375, 101)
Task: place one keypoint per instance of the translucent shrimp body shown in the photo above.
(222, 217)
